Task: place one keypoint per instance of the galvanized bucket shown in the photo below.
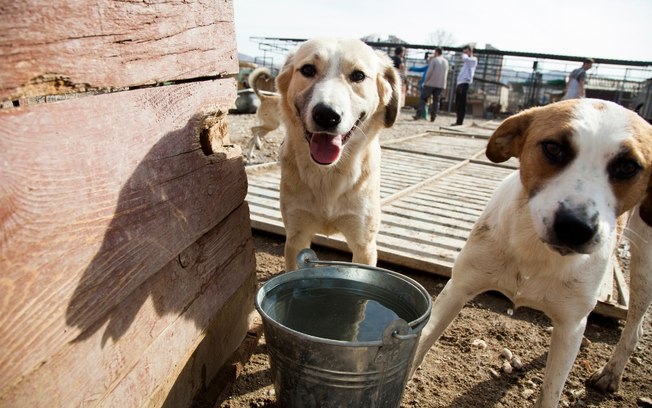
(341, 335)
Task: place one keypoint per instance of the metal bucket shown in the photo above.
(338, 335)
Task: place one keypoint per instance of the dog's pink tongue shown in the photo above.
(325, 148)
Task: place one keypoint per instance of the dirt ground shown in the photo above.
(457, 372)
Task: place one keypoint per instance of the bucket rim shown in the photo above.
(287, 276)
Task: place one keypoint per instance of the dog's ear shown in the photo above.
(389, 89)
(507, 141)
(284, 77)
(645, 210)
(644, 131)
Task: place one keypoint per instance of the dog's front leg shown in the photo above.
(446, 307)
(296, 239)
(365, 254)
(564, 346)
(608, 377)
(249, 153)
(361, 238)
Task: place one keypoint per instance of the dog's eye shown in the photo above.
(554, 152)
(357, 76)
(308, 70)
(624, 169)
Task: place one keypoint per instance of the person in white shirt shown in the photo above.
(464, 79)
(434, 84)
(575, 88)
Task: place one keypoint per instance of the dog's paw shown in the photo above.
(604, 380)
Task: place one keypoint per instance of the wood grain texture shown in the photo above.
(83, 45)
(223, 337)
(162, 324)
(97, 195)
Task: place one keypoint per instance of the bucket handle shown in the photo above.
(398, 330)
(307, 258)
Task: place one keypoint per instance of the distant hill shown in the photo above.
(245, 58)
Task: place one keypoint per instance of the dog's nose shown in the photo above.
(574, 230)
(325, 116)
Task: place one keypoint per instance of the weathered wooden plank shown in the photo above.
(260, 185)
(436, 236)
(459, 215)
(606, 290)
(451, 191)
(97, 195)
(621, 285)
(275, 226)
(83, 45)
(405, 252)
(402, 161)
(135, 355)
(206, 364)
(428, 203)
(266, 207)
(424, 219)
(433, 144)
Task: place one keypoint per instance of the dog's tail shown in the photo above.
(257, 74)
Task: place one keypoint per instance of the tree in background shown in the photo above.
(441, 38)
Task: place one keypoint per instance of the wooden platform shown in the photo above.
(433, 188)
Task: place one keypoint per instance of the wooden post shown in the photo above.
(125, 244)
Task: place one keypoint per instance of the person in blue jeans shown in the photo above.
(464, 80)
(434, 84)
(423, 70)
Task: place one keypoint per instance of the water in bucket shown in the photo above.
(336, 309)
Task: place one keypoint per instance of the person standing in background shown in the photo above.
(434, 84)
(576, 86)
(464, 80)
(423, 70)
(399, 64)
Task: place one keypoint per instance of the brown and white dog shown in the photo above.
(336, 95)
(546, 237)
(268, 113)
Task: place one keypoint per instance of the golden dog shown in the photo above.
(336, 95)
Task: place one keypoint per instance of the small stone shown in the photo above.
(549, 329)
(577, 394)
(510, 312)
(494, 373)
(527, 393)
(479, 343)
(507, 353)
(516, 363)
(271, 392)
(644, 402)
(507, 367)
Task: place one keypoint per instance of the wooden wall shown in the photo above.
(125, 245)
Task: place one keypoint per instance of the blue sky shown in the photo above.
(598, 28)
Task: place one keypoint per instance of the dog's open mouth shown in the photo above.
(326, 148)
